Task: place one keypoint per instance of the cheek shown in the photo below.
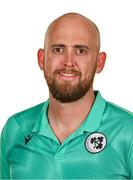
(87, 69)
(52, 64)
(54, 61)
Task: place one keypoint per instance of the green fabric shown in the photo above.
(30, 149)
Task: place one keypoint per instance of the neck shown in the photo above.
(67, 117)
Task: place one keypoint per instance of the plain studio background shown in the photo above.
(22, 28)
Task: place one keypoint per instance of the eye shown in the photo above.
(81, 51)
(57, 50)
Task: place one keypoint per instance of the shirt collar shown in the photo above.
(93, 120)
(91, 124)
(42, 121)
(42, 126)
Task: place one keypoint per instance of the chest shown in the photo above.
(43, 158)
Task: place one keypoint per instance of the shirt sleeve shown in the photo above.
(4, 167)
(130, 158)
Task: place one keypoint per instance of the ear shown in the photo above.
(40, 56)
(100, 61)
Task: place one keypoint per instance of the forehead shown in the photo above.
(71, 29)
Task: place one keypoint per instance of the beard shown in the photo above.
(66, 91)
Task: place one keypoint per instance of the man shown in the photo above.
(76, 134)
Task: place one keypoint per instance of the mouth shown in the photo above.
(69, 76)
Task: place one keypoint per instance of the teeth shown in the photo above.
(68, 75)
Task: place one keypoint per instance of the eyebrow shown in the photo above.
(75, 46)
(58, 45)
(81, 46)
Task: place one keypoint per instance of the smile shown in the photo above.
(68, 74)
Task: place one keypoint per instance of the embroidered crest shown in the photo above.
(95, 142)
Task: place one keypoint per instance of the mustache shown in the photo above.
(65, 70)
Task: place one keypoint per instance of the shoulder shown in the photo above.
(119, 115)
(118, 110)
(23, 121)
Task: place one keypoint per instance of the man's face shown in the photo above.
(70, 60)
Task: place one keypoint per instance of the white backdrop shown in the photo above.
(22, 27)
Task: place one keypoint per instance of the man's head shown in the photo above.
(71, 57)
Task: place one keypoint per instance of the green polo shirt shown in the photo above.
(101, 148)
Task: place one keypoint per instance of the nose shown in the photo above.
(69, 59)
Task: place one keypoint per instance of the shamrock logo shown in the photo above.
(95, 142)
